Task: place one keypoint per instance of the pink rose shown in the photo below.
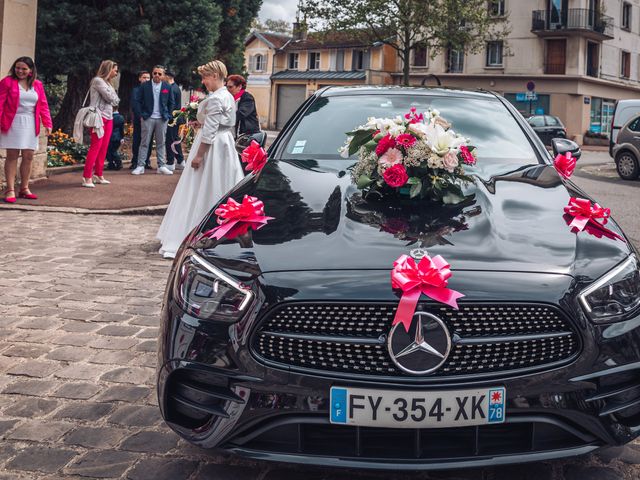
(406, 140)
(467, 156)
(450, 162)
(392, 157)
(396, 176)
(385, 144)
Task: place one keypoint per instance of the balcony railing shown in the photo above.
(584, 20)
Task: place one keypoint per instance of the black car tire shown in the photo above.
(627, 165)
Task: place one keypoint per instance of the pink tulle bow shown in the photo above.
(585, 216)
(254, 156)
(565, 164)
(430, 276)
(236, 218)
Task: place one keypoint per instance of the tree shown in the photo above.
(74, 36)
(271, 25)
(237, 18)
(408, 24)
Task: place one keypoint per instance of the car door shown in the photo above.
(554, 128)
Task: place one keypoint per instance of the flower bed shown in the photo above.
(62, 150)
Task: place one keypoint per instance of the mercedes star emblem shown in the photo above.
(424, 348)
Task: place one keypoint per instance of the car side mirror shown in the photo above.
(563, 146)
(244, 140)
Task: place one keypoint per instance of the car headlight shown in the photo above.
(615, 295)
(207, 292)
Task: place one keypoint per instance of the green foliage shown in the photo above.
(74, 36)
(271, 25)
(408, 24)
(237, 17)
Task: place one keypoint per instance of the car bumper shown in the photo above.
(215, 392)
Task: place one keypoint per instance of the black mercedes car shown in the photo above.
(279, 344)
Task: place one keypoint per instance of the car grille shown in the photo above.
(351, 338)
(313, 436)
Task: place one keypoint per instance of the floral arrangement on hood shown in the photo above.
(419, 155)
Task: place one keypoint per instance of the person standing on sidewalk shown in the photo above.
(156, 107)
(247, 115)
(103, 97)
(114, 161)
(136, 119)
(23, 106)
(175, 157)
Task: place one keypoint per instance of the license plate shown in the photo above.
(417, 409)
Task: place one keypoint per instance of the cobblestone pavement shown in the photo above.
(79, 304)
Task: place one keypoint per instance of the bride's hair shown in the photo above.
(215, 66)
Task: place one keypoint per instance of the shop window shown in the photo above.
(494, 53)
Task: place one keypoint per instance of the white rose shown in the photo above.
(193, 105)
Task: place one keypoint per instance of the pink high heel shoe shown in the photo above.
(25, 193)
(8, 199)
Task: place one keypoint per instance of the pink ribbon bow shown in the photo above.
(254, 156)
(585, 215)
(430, 276)
(565, 164)
(236, 218)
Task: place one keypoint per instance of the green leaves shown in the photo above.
(360, 138)
(416, 186)
(363, 181)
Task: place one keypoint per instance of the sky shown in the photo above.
(278, 10)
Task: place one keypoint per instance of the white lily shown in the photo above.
(442, 141)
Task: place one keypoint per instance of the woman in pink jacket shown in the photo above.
(23, 105)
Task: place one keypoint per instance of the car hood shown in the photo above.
(511, 220)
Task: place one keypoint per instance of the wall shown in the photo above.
(18, 38)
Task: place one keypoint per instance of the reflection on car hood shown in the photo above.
(511, 220)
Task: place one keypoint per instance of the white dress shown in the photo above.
(198, 190)
(22, 133)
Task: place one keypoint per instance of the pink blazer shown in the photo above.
(9, 99)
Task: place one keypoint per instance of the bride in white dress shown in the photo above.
(212, 167)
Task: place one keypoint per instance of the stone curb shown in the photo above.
(65, 169)
(149, 210)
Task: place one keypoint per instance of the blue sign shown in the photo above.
(526, 97)
(539, 111)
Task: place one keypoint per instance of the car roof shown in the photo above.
(400, 90)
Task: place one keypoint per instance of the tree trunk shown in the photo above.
(128, 80)
(77, 87)
(406, 64)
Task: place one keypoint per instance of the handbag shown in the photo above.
(90, 114)
(88, 117)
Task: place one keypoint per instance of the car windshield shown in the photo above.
(553, 121)
(486, 122)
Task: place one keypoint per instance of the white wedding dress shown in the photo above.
(200, 189)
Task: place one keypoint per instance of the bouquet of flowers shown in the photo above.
(186, 118)
(419, 155)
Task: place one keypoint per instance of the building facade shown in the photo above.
(579, 55)
(303, 64)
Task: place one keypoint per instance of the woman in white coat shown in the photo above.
(212, 167)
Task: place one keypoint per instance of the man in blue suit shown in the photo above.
(136, 120)
(155, 106)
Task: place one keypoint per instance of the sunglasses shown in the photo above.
(157, 74)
